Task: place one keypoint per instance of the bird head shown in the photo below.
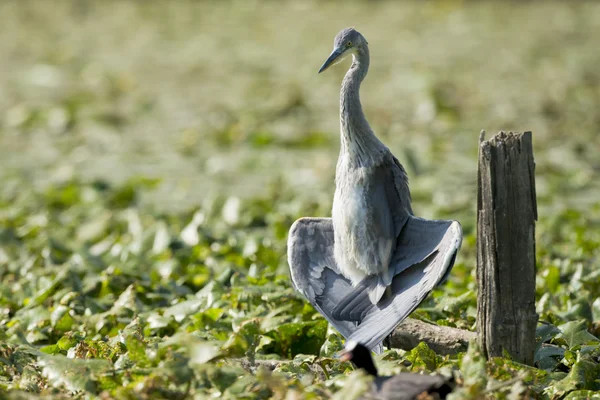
(347, 42)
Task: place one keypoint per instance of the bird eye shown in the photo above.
(349, 44)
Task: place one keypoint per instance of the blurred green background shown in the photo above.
(154, 154)
(224, 97)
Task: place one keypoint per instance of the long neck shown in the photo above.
(358, 140)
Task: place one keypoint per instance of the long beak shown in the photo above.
(335, 55)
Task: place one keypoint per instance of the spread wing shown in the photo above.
(314, 272)
(421, 254)
(425, 255)
(426, 251)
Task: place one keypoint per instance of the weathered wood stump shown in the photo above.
(506, 215)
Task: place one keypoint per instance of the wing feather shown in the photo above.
(421, 258)
(314, 272)
(411, 286)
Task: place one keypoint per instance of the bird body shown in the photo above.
(356, 249)
(372, 244)
(404, 386)
(365, 232)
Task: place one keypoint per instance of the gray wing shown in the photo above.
(390, 183)
(314, 272)
(423, 255)
(389, 202)
(401, 184)
(426, 252)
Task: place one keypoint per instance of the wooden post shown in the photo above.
(506, 215)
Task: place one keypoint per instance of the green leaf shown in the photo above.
(202, 352)
(298, 338)
(548, 356)
(156, 321)
(222, 378)
(333, 344)
(136, 350)
(423, 357)
(244, 340)
(575, 333)
(551, 279)
(44, 294)
(453, 305)
(260, 139)
(95, 229)
(62, 197)
(545, 331)
(73, 374)
(583, 395)
(296, 370)
(583, 375)
(124, 196)
(245, 385)
(473, 369)
(181, 310)
(62, 319)
(51, 349)
(58, 252)
(579, 308)
(357, 384)
(67, 341)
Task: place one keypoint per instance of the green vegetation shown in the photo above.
(155, 154)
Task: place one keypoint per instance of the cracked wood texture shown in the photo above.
(506, 215)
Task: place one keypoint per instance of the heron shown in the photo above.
(373, 262)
